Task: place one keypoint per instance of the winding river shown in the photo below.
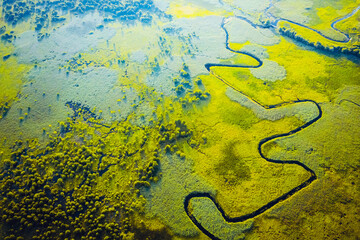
(312, 177)
(347, 37)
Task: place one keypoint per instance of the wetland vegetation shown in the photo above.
(159, 119)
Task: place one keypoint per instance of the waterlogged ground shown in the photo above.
(199, 119)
